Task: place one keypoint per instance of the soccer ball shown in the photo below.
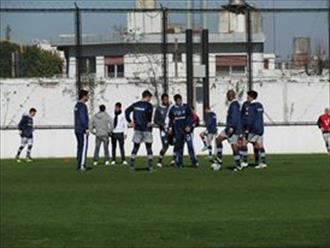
(215, 166)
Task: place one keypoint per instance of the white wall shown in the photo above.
(62, 143)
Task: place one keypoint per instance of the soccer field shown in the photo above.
(48, 204)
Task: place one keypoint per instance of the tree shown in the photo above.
(32, 61)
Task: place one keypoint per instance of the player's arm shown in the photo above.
(189, 123)
(319, 121)
(149, 115)
(21, 123)
(170, 120)
(83, 117)
(128, 112)
(157, 118)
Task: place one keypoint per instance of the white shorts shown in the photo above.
(142, 136)
(255, 138)
(232, 139)
(26, 141)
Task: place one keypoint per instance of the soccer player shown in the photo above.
(81, 123)
(25, 128)
(118, 134)
(101, 127)
(254, 126)
(232, 131)
(142, 117)
(324, 125)
(210, 133)
(180, 124)
(160, 119)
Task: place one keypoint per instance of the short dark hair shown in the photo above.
(146, 93)
(32, 110)
(82, 93)
(177, 96)
(164, 95)
(118, 104)
(252, 94)
(102, 107)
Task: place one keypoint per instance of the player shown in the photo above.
(254, 126)
(180, 124)
(160, 119)
(232, 131)
(101, 127)
(324, 125)
(210, 133)
(81, 123)
(118, 134)
(25, 128)
(142, 117)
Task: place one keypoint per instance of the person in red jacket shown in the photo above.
(324, 124)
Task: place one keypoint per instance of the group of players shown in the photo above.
(244, 125)
(176, 124)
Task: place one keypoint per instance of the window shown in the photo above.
(199, 93)
(223, 70)
(88, 65)
(237, 69)
(266, 63)
(115, 66)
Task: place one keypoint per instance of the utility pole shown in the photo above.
(164, 50)
(78, 47)
(8, 32)
(249, 49)
(205, 58)
(189, 57)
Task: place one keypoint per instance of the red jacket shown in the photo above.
(324, 123)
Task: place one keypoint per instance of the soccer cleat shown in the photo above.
(18, 160)
(113, 162)
(218, 160)
(173, 162)
(216, 166)
(261, 166)
(107, 163)
(82, 168)
(204, 149)
(95, 163)
(124, 162)
(244, 165)
(159, 165)
(29, 159)
(238, 168)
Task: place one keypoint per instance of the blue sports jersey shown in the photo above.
(247, 117)
(26, 126)
(81, 119)
(142, 115)
(211, 122)
(160, 115)
(257, 111)
(180, 117)
(234, 118)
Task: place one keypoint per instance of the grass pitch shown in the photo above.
(48, 204)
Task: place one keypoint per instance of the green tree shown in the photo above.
(33, 61)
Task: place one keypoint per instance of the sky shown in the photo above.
(280, 28)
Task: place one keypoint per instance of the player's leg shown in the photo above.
(178, 149)
(113, 148)
(84, 151)
(149, 155)
(210, 138)
(29, 149)
(262, 153)
(191, 150)
(203, 136)
(137, 140)
(98, 142)
(80, 144)
(326, 137)
(20, 148)
(219, 140)
(243, 151)
(106, 150)
(236, 155)
(165, 145)
(121, 140)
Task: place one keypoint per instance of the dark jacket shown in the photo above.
(180, 117)
(26, 126)
(142, 115)
(81, 119)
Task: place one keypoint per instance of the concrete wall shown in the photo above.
(285, 98)
(62, 143)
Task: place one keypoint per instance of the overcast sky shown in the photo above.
(30, 26)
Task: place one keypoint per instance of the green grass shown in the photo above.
(48, 204)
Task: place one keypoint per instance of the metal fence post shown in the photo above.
(164, 50)
(78, 47)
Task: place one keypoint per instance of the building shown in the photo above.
(136, 52)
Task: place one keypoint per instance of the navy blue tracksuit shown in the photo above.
(211, 123)
(180, 117)
(26, 126)
(233, 120)
(256, 118)
(81, 121)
